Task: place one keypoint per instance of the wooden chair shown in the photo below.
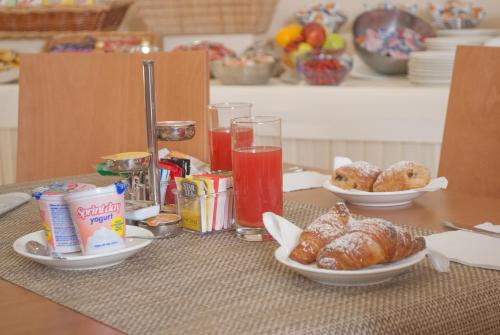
(74, 108)
(470, 154)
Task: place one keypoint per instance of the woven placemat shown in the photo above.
(218, 284)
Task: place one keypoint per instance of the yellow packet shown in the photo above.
(210, 215)
(191, 208)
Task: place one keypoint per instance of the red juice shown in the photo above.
(258, 184)
(220, 146)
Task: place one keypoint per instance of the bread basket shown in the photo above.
(80, 37)
(45, 20)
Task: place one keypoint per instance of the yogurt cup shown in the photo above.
(56, 219)
(99, 218)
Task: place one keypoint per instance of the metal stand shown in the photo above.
(159, 131)
(149, 98)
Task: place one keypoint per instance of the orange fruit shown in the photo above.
(288, 34)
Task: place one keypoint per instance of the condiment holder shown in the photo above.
(160, 131)
(141, 168)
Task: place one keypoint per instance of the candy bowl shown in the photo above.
(325, 68)
(453, 14)
(385, 38)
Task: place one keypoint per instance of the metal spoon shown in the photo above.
(455, 226)
(37, 248)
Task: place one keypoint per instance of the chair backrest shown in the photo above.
(470, 154)
(75, 108)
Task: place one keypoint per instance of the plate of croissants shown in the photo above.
(338, 249)
(364, 184)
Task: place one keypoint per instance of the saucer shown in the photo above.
(374, 199)
(369, 276)
(77, 261)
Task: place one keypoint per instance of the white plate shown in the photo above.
(373, 275)
(467, 32)
(374, 199)
(76, 261)
(444, 82)
(494, 42)
(428, 73)
(9, 75)
(432, 77)
(456, 40)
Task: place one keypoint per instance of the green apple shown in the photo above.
(334, 42)
(302, 49)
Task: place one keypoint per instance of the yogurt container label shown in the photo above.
(58, 227)
(99, 219)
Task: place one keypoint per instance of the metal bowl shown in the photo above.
(175, 130)
(170, 227)
(393, 20)
(128, 165)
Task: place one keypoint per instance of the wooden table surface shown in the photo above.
(23, 312)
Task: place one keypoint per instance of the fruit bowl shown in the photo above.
(244, 71)
(325, 68)
(406, 29)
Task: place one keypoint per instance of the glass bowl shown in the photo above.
(236, 72)
(325, 68)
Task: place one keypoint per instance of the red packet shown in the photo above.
(175, 171)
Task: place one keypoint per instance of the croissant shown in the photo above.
(404, 175)
(320, 232)
(368, 242)
(358, 175)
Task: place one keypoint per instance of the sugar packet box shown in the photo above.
(99, 218)
(57, 224)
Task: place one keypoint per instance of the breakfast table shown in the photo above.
(219, 284)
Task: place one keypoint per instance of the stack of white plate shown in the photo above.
(431, 67)
(435, 66)
(451, 43)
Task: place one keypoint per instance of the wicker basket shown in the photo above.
(79, 37)
(57, 18)
(177, 17)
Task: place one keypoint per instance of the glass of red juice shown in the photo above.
(219, 132)
(257, 174)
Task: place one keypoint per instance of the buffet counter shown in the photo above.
(381, 121)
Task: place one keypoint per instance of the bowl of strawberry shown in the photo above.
(325, 68)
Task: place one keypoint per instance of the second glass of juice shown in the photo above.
(219, 132)
(257, 174)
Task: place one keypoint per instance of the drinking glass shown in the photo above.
(257, 173)
(219, 132)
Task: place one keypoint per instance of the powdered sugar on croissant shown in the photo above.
(368, 242)
(321, 231)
